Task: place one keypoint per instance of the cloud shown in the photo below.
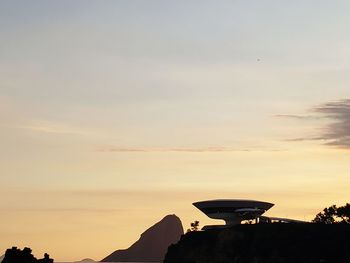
(64, 210)
(298, 117)
(300, 139)
(171, 149)
(337, 132)
(217, 149)
(17, 115)
(49, 127)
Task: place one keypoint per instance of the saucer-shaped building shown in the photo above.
(233, 211)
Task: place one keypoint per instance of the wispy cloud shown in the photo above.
(170, 149)
(337, 132)
(297, 117)
(49, 127)
(64, 210)
(184, 149)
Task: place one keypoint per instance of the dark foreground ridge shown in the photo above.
(265, 243)
(153, 243)
(15, 255)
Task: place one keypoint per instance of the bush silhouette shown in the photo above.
(15, 255)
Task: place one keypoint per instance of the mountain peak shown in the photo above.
(153, 243)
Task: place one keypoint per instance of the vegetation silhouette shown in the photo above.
(265, 243)
(15, 255)
(194, 226)
(326, 239)
(334, 215)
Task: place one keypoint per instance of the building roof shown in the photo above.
(233, 203)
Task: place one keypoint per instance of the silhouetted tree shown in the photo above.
(343, 212)
(327, 216)
(194, 226)
(333, 215)
(15, 255)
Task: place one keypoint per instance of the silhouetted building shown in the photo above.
(234, 211)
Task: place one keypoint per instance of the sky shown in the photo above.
(114, 114)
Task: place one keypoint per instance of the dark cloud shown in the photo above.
(337, 132)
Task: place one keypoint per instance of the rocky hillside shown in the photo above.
(265, 243)
(153, 243)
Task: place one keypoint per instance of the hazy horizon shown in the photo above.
(117, 113)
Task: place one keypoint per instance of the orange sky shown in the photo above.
(114, 114)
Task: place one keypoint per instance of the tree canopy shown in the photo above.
(334, 215)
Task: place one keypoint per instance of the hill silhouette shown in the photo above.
(265, 243)
(153, 243)
(86, 260)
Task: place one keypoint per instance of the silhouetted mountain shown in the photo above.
(86, 260)
(15, 255)
(265, 243)
(153, 243)
(2, 257)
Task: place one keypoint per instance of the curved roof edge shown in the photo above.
(234, 203)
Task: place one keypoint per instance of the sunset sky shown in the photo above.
(114, 114)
